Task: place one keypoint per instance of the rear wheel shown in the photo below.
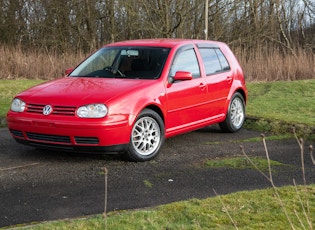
(236, 114)
(147, 136)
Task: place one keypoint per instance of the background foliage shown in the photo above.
(87, 24)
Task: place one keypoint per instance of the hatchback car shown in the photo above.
(129, 96)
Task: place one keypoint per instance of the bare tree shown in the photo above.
(87, 24)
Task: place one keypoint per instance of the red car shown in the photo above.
(129, 96)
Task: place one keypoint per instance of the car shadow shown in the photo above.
(211, 129)
(58, 155)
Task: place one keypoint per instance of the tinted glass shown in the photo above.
(186, 61)
(224, 63)
(210, 60)
(124, 62)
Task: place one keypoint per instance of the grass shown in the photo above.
(258, 209)
(9, 88)
(275, 107)
(291, 102)
(256, 139)
(274, 65)
(242, 163)
(18, 63)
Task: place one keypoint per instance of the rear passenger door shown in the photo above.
(218, 77)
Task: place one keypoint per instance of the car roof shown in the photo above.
(163, 42)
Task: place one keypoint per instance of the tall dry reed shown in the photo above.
(272, 65)
(258, 65)
(34, 64)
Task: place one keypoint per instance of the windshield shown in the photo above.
(131, 62)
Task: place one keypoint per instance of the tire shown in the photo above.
(235, 116)
(147, 137)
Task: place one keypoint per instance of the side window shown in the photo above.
(224, 63)
(186, 61)
(210, 60)
(214, 60)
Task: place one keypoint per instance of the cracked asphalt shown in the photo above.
(40, 185)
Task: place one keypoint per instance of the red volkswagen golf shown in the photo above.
(129, 96)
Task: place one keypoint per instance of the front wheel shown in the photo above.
(147, 136)
(235, 116)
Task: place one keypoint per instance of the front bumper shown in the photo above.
(86, 135)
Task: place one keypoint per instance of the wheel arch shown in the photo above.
(153, 107)
(238, 90)
(156, 109)
(242, 92)
(228, 125)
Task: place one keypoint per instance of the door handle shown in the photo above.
(229, 79)
(202, 86)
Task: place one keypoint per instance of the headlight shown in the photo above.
(17, 105)
(92, 111)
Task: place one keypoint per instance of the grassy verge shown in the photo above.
(276, 106)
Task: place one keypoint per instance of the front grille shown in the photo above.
(64, 110)
(32, 108)
(57, 110)
(48, 138)
(86, 140)
(16, 133)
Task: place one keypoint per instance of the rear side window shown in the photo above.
(214, 60)
(224, 63)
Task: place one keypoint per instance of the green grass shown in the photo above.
(9, 88)
(259, 209)
(256, 139)
(242, 163)
(275, 107)
(291, 102)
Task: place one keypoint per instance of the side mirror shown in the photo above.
(68, 71)
(182, 76)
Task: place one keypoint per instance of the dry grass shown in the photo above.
(34, 64)
(272, 65)
(261, 65)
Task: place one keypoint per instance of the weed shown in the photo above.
(148, 184)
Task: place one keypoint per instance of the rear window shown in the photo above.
(214, 60)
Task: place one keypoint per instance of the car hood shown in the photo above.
(79, 90)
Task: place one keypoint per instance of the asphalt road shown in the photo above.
(40, 185)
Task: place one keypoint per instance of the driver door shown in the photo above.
(187, 99)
